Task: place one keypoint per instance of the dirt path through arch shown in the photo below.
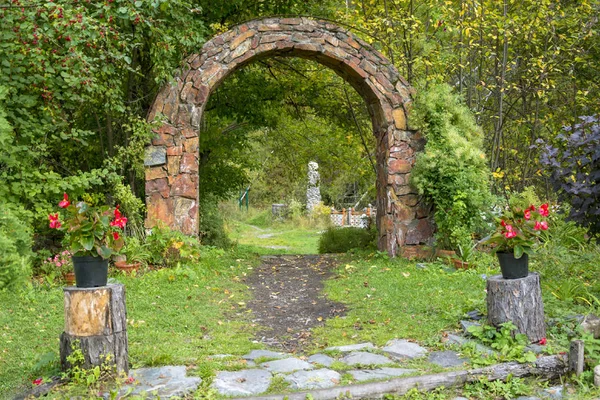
(288, 298)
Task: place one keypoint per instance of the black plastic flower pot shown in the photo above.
(90, 271)
(513, 268)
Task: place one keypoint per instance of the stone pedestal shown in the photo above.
(519, 301)
(96, 322)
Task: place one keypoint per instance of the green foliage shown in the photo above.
(80, 78)
(212, 227)
(136, 251)
(452, 171)
(505, 340)
(485, 389)
(301, 112)
(76, 372)
(591, 349)
(414, 394)
(340, 240)
(526, 68)
(171, 248)
(15, 247)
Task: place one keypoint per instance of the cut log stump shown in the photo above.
(96, 323)
(519, 301)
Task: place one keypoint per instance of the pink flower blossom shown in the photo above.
(543, 210)
(527, 214)
(115, 235)
(64, 203)
(541, 226)
(38, 381)
(54, 222)
(542, 341)
(510, 232)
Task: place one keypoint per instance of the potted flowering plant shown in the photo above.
(518, 229)
(93, 234)
(59, 266)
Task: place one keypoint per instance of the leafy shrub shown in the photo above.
(171, 248)
(574, 167)
(212, 229)
(340, 240)
(15, 247)
(320, 215)
(452, 172)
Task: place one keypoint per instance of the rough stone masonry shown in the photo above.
(172, 158)
(313, 192)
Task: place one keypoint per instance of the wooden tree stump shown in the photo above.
(519, 301)
(96, 323)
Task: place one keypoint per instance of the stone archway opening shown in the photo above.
(171, 161)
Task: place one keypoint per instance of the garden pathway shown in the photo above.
(288, 299)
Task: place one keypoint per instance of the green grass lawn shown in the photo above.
(275, 239)
(185, 314)
(393, 298)
(175, 316)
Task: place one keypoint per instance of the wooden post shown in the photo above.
(96, 323)
(519, 301)
(576, 357)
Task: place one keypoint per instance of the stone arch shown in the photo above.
(172, 159)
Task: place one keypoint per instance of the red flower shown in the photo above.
(531, 208)
(38, 381)
(54, 222)
(502, 223)
(543, 210)
(129, 380)
(527, 214)
(119, 220)
(65, 201)
(542, 341)
(116, 235)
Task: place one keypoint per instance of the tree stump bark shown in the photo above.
(96, 323)
(519, 301)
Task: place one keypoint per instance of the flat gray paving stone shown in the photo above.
(379, 373)
(400, 348)
(465, 325)
(455, 339)
(352, 347)
(364, 358)
(315, 379)
(536, 348)
(554, 392)
(161, 382)
(254, 354)
(446, 359)
(528, 398)
(242, 383)
(460, 398)
(321, 359)
(286, 365)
